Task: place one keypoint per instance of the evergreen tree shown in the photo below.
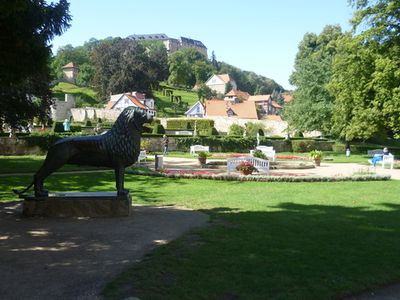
(27, 27)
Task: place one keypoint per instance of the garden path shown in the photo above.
(75, 258)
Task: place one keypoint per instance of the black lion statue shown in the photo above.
(117, 148)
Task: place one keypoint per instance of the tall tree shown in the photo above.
(366, 73)
(123, 65)
(186, 66)
(27, 27)
(312, 106)
(378, 19)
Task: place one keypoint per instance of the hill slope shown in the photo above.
(86, 97)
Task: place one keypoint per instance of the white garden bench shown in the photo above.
(199, 148)
(386, 159)
(268, 151)
(262, 165)
(142, 156)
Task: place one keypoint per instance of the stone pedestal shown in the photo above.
(91, 204)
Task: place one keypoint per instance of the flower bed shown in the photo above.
(187, 172)
(291, 157)
(278, 177)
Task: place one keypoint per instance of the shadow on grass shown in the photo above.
(89, 182)
(296, 251)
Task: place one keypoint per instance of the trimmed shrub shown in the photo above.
(75, 128)
(183, 124)
(338, 147)
(58, 126)
(279, 144)
(236, 130)
(253, 128)
(158, 129)
(45, 140)
(88, 123)
(308, 145)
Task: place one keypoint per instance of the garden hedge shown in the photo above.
(308, 145)
(183, 124)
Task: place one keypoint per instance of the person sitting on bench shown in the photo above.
(378, 157)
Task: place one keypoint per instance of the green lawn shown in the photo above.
(31, 163)
(265, 240)
(165, 106)
(84, 96)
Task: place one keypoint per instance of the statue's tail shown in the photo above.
(23, 191)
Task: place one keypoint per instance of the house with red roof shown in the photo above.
(135, 99)
(236, 96)
(70, 72)
(221, 108)
(287, 98)
(219, 82)
(265, 104)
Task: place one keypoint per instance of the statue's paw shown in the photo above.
(123, 192)
(42, 193)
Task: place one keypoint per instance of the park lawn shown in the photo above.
(31, 163)
(84, 96)
(265, 240)
(165, 108)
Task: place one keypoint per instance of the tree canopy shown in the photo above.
(123, 65)
(313, 104)
(348, 84)
(27, 27)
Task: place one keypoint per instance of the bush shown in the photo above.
(183, 124)
(308, 145)
(88, 123)
(280, 145)
(58, 126)
(338, 147)
(76, 128)
(45, 140)
(259, 154)
(158, 129)
(236, 130)
(253, 128)
(216, 143)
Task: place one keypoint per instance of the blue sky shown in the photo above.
(254, 35)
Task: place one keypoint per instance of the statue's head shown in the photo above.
(136, 117)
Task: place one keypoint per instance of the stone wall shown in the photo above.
(83, 114)
(13, 146)
(222, 124)
(61, 110)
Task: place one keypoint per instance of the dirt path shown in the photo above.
(75, 258)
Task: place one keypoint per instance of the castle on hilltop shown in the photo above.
(171, 44)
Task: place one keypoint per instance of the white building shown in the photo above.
(197, 110)
(219, 82)
(135, 99)
(70, 72)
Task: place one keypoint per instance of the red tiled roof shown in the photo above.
(245, 110)
(287, 98)
(238, 93)
(133, 99)
(275, 104)
(69, 65)
(224, 77)
(258, 98)
(136, 102)
(273, 118)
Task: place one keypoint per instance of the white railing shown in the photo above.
(262, 165)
